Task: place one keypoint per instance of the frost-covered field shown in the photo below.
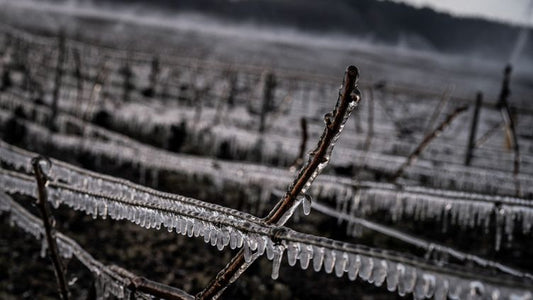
(191, 106)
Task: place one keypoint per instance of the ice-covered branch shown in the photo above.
(42, 204)
(349, 97)
(418, 242)
(468, 210)
(404, 274)
(110, 281)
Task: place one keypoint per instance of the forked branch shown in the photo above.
(349, 97)
(144, 285)
(301, 153)
(42, 204)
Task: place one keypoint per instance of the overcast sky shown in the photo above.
(507, 10)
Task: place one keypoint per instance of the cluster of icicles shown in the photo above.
(453, 176)
(120, 148)
(104, 196)
(108, 282)
(467, 210)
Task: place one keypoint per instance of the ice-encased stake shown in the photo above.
(349, 97)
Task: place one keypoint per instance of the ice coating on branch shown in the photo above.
(456, 208)
(462, 209)
(107, 285)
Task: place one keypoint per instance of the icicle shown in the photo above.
(190, 227)
(340, 263)
(318, 258)
(261, 245)
(198, 228)
(247, 252)
(306, 254)
(424, 287)
(44, 246)
(379, 273)
(392, 276)
(252, 242)
(441, 288)
(407, 279)
(276, 262)
(329, 260)
(354, 264)
(367, 266)
(220, 242)
(500, 215)
(476, 289)
(270, 249)
(292, 253)
(233, 240)
(456, 290)
(214, 236)
(306, 204)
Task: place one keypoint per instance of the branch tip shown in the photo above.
(353, 72)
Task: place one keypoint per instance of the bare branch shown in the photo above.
(487, 135)
(42, 204)
(142, 284)
(442, 103)
(349, 97)
(426, 141)
(300, 159)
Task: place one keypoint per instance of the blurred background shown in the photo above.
(393, 40)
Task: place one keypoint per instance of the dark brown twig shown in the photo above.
(300, 159)
(349, 96)
(144, 285)
(42, 204)
(426, 141)
(442, 103)
(487, 135)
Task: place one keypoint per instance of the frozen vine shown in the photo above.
(108, 280)
(401, 273)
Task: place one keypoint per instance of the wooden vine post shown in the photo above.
(42, 204)
(58, 77)
(127, 84)
(269, 85)
(473, 130)
(349, 97)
